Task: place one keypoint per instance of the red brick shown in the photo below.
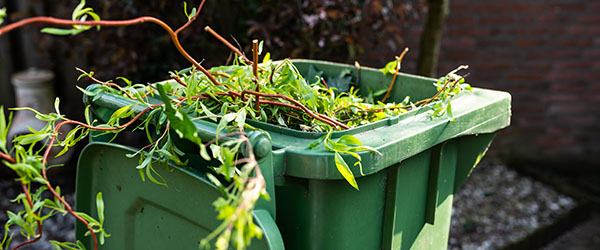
(497, 20)
(561, 87)
(529, 109)
(536, 66)
(488, 43)
(560, 97)
(459, 42)
(593, 6)
(579, 120)
(553, 141)
(532, 42)
(525, 77)
(590, 97)
(529, 121)
(491, 66)
(471, 32)
(575, 42)
(528, 7)
(589, 19)
(462, 20)
(566, 65)
(566, 108)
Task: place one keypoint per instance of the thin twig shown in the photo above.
(177, 79)
(113, 23)
(227, 43)
(110, 84)
(191, 19)
(398, 66)
(317, 116)
(255, 71)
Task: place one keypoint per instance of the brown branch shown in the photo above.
(47, 153)
(69, 209)
(324, 83)
(191, 19)
(115, 23)
(160, 138)
(110, 84)
(177, 79)
(395, 75)
(436, 94)
(317, 116)
(228, 44)
(7, 157)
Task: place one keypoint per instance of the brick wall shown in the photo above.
(546, 53)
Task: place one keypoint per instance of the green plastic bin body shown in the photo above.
(405, 197)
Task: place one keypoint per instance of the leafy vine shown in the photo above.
(269, 91)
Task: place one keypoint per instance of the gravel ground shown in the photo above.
(496, 206)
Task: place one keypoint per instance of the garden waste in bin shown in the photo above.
(405, 197)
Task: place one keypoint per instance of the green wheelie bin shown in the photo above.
(405, 196)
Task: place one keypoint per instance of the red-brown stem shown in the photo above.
(324, 83)
(160, 138)
(395, 75)
(29, 201)
(191, 19)
(39, 224)
(255, 71)
(47, 153)
(49, 147)
(7, 157)
(114, 85)
(436, 94)
(297, 103)
(69, 209)
(177, 79)
(228, 44)
(113, 23)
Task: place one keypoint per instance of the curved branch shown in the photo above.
(117, 23)
(398, 66)
(317, 116)
(191, 19)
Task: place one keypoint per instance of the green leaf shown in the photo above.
(30, 138)
(2, 15)
(180, 122)
(57, 105)
(345, 170)
(59, 32)
(4, 127)
(100, 206)
(77, 10)
(15, 218)
(317, 142)
(240, 119)
(349, 140)
(87, 114)
(267, 58)
(193, 13)
(119, 113)
(260, 47)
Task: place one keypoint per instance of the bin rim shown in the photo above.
(400, 137)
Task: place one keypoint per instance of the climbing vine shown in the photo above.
(266, 90)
